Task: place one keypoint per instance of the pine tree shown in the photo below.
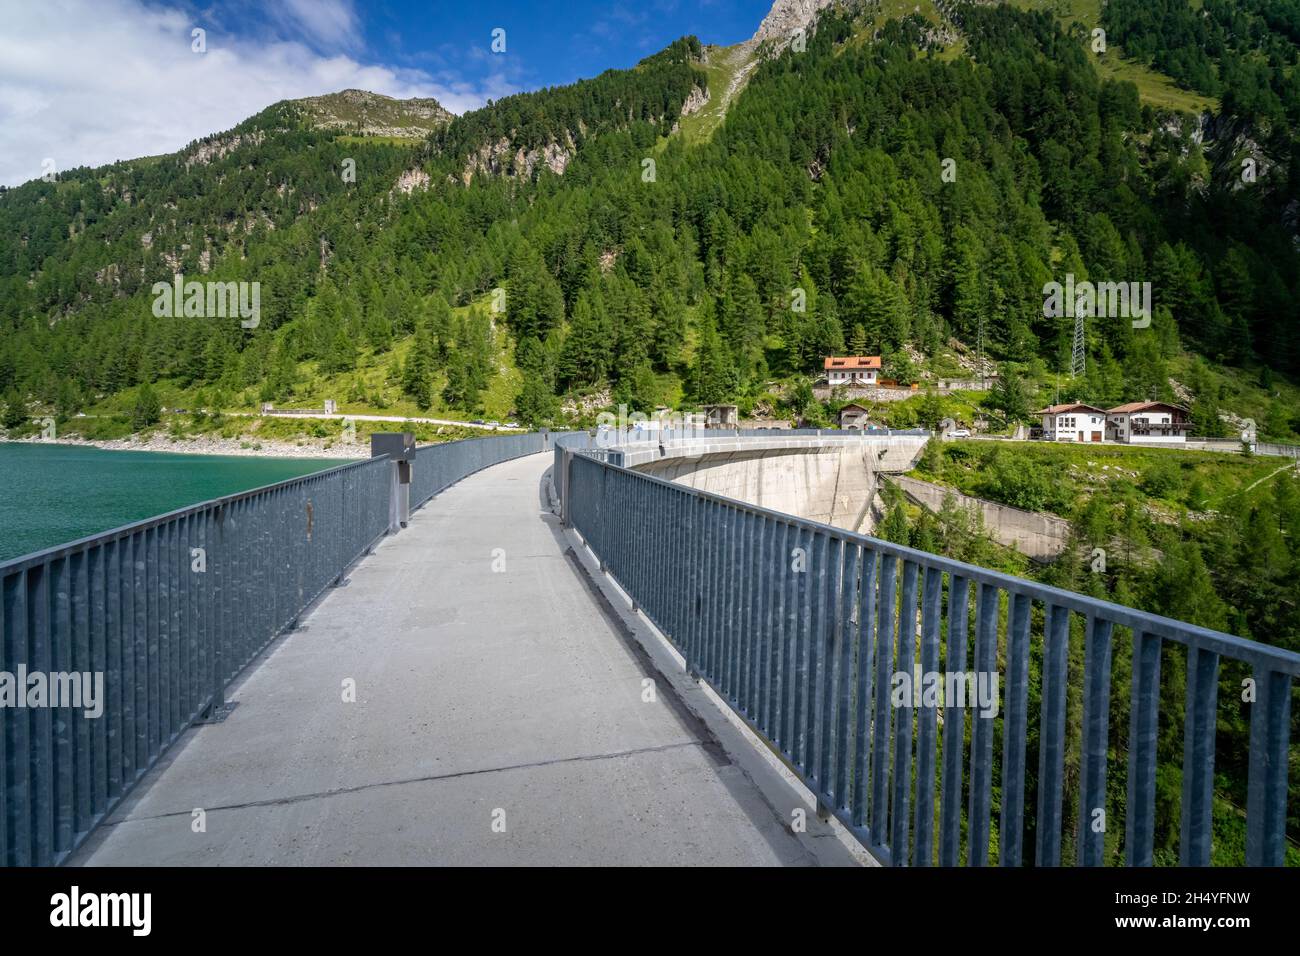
(858, 340)
(1008, 395)
(15, 411)
(147, 409)
(712, 371)
(417, 373)
(894, 528)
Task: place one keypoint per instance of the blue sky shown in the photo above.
(88, 82)
(548, 43)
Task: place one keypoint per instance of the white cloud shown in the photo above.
(333, 22)
(88, 82)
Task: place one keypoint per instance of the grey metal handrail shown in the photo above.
(800, 627)
(169, 610)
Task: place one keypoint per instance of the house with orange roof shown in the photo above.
(852, 370)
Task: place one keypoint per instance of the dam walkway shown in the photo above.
(469, 695)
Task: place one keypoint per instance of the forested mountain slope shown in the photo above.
(814, 218)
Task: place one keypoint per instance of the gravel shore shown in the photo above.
(208, 445)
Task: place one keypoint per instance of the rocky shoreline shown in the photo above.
(209, 445)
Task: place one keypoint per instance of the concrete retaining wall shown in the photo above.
(1040, 537)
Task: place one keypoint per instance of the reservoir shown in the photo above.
(53, 493)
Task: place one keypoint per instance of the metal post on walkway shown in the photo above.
(400, 449)
(566, 476)
(220, 620)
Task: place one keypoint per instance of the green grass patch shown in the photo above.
(1061, 478)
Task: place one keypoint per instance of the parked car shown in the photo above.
(959, 433)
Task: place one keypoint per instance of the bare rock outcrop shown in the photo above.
(502, 158)
(788, 17)
(373, 114)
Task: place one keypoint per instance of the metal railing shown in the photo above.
(803, 629)
(169, 611)
(437, 467)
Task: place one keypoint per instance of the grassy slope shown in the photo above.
(377, 378)
(726, 71)
(1155, 88)
(1084, 470)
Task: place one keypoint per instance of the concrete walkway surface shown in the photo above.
(498, 719)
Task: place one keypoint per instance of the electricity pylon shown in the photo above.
(1078, 356)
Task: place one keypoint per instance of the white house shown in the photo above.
(1074, 422)
(1154, 422)
(852, 370)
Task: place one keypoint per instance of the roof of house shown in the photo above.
(1142, 407)
(852, 405)
(850, 362)
(1071, 407)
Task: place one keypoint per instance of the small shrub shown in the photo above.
(1163, 479)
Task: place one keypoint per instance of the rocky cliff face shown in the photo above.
(502, 158)
(788, 17)
(695, 102)
(219, 147)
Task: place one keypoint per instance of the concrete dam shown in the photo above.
(831, 479)
(834, 479)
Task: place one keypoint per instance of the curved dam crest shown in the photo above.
(835, 481)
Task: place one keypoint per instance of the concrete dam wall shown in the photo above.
(833, 483)
(1041, 537)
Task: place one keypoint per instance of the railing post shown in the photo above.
(400, 449)
(221, 618)
(566, 475)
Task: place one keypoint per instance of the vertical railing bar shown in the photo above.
(780, 629)
(41, 754)
(865, 700)
(1015, 721)
(1051, 747)
(927, 719)
(82, 663)
(954, 725)
(1198, 757)
(1266, 800)
(881, 722)
(1093, 755)
(1144, 717)
(794, 619)
(62, 751)
(900, 811)
(759, 634)
(981, 735)
(744, 627)
(824, 642)
(846, 632)
(811, 654)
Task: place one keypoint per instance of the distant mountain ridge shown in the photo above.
(373, 114)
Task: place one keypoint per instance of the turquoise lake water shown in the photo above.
(50, 494)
